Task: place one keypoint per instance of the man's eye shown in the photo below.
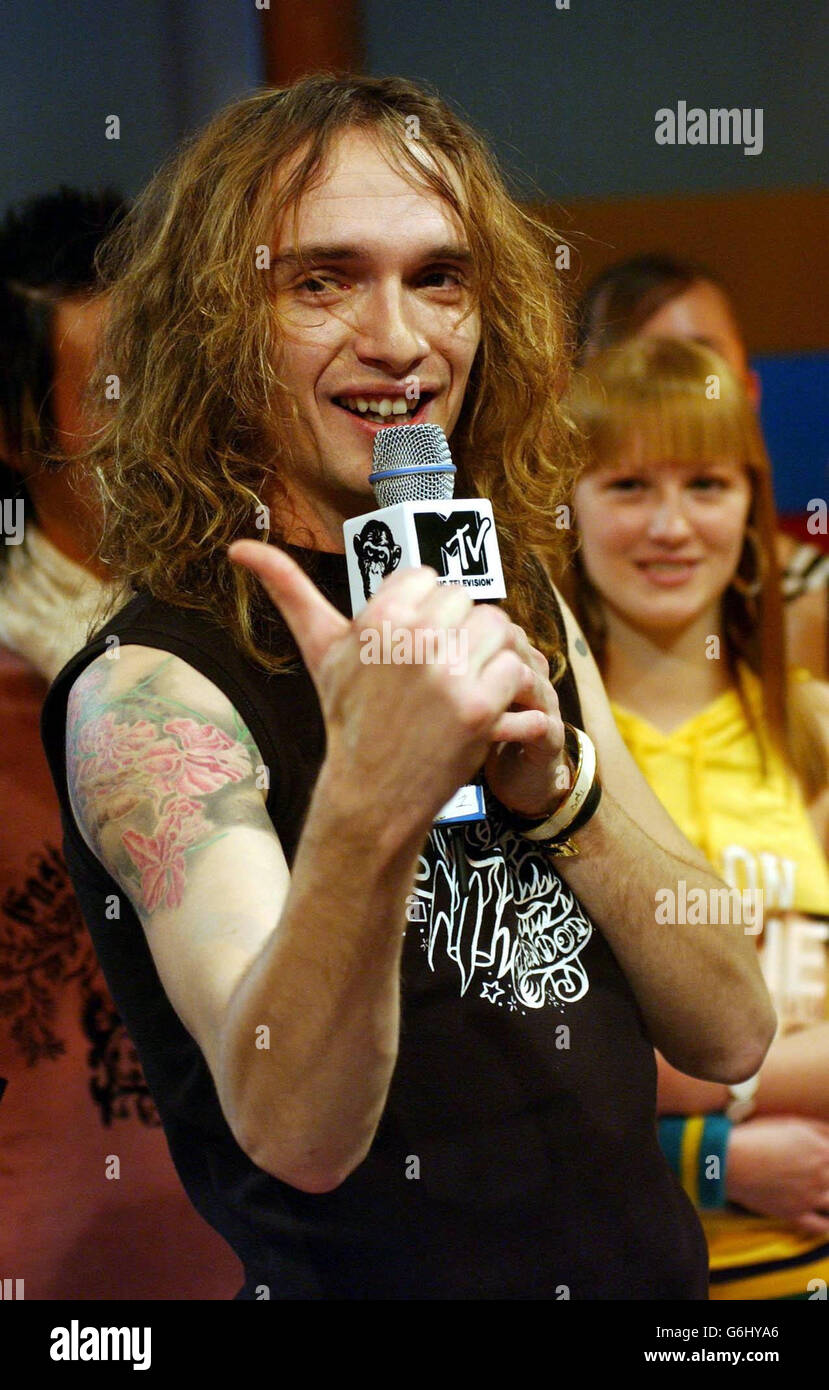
(452, 279)
(320, 284)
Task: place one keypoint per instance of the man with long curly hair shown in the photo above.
(374, 1083)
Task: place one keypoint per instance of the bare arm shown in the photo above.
(700, 988)
(163, 787)
(794, 1080)
(777, 1163)
(238, 942)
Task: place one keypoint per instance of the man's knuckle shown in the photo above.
(494, 622)
(477, 713)
(392, 608)
(515, 667)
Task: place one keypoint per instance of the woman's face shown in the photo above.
(661, 543)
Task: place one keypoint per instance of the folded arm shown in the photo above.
(794, 1080)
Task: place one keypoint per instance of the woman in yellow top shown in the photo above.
(676, 586)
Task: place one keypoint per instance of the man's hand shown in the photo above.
(414, 734)
(527, 767)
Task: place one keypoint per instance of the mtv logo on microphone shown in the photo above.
(456, 538)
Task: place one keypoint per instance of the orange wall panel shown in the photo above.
(769, 247)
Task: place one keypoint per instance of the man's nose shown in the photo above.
(668, 520)
(389, 335)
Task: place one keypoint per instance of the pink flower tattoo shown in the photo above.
(204, 761)
(119, 767)
(160, 857)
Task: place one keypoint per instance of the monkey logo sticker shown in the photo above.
(377, 555)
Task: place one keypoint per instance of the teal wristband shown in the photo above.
(715, 1136)
(709, 1170)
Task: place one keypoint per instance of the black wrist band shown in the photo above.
(554, 831)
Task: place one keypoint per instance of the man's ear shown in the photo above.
(358, 546)
(395, 554)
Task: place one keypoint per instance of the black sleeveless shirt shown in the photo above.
(517, 1156)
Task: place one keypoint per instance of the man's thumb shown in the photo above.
(314, 622)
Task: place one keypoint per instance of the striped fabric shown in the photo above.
(802, 1276)
(695, 1146)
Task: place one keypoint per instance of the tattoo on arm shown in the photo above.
(153, 780)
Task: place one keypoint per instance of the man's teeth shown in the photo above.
(383, 406)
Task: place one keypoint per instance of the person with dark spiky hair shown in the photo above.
(624, 298)
(74, 1088)
(50, 322)
(47, 252)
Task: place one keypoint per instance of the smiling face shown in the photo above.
(379, 324)
(661, 542)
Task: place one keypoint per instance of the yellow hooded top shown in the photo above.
(753, 826)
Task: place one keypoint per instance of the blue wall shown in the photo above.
(569, 96)
(795, 418)
(162, 66)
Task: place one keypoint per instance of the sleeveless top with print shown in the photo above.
(517, 1155)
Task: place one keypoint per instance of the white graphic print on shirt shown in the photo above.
(518, 932)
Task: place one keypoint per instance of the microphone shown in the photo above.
(420, 522)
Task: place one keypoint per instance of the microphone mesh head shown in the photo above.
(409, 451)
